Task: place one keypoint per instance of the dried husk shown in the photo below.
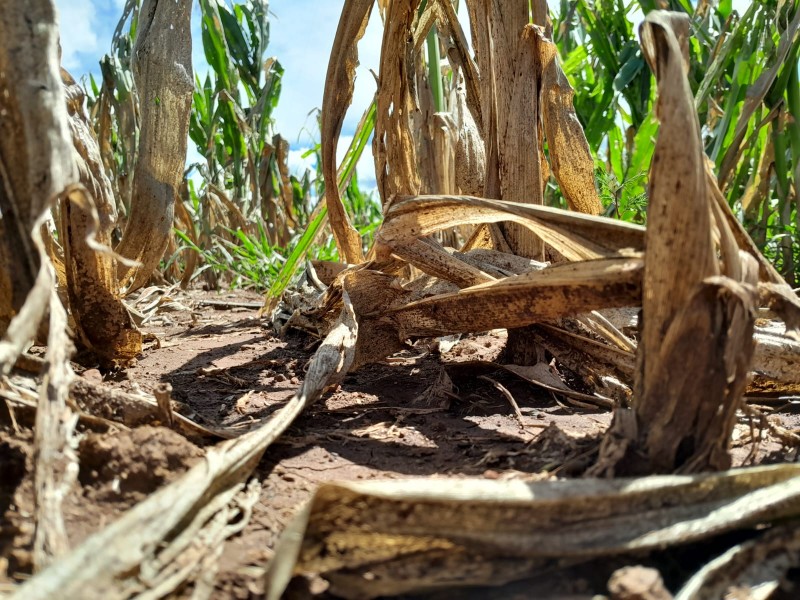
(393, 144)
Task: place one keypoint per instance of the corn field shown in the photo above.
(619, 207)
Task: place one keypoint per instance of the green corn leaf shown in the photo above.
(725, 8)
(632, 67)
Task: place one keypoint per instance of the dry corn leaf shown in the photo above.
(574, 235)
(339, 84)
(570, 157)
(525, 299)
(387, 538)
(499, 264)
(429, 257)
(595, 362)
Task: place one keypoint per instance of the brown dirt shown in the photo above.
(422, 413)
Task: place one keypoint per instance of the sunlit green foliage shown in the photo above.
(250, 223)
(743, 72)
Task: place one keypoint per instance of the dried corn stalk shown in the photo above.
(35, 160)
(511, 110)
(393, 145)
(90, 164)
(90, 269)
(162, 67)
(684, 409)
(102, 321)
(36, 165)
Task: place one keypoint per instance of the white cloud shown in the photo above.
(298, 164)
(79, 41)
(366, 165)
(365, 169)
(301, 36)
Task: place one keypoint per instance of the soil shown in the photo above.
(428, 411)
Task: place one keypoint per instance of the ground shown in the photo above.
(432, 410)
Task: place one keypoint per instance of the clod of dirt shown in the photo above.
(133, 464)
(637, 583)
(16, 502)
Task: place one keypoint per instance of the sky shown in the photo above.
(301, 36)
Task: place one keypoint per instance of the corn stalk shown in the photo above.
(162, 67)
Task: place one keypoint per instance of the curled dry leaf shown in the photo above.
(339, 83)
(570, 157)
(387, 538)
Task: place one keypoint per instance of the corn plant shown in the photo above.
(112, 107)
(743, 72)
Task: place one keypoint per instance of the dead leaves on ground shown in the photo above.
(374, 539)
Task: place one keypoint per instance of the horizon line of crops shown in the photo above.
(245, 221)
